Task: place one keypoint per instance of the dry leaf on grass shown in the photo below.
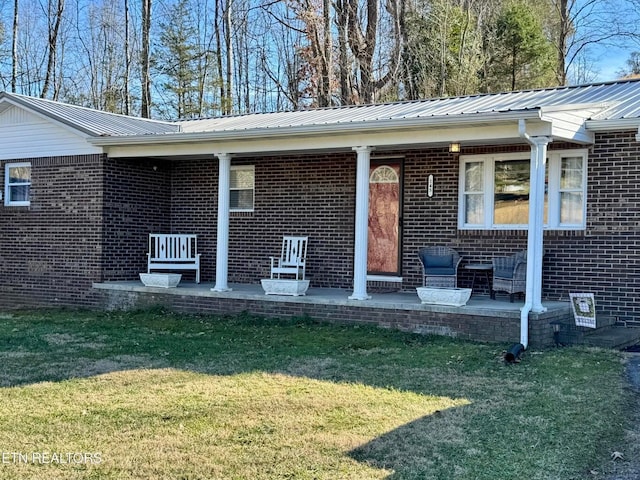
(617, 456)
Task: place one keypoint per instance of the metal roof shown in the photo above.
(92, 122)
(617, 100)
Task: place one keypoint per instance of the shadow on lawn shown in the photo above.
(414, 448)
(61, 351)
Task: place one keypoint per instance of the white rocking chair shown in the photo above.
(292, 259)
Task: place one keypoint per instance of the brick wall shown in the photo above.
(315, 195)
(605, 259)
(471, 326)
(305, 195)
(65, 241)
(50, 252)
(137, 201)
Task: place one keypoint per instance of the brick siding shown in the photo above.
(65, 240)
(311, 196)
(137, 201)
(469, 326)
(51, 251)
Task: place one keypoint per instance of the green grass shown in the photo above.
(156, 395)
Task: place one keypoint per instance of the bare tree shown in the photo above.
(145, 76)
(127, 61)
(344, 56)
(364, 38)
(14, 47)
(283, 64)
(582, 24)
(55, 9)
(228, 43)
(316, 71)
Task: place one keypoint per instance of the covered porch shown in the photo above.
(481, 319)
(325, 165)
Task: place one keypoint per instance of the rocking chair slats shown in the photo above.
(292, 259)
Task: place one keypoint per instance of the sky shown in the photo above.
(610, 61)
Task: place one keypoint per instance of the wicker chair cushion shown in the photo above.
(441, 271)
(438, 261)
(504, 272)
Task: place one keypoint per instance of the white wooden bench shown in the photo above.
(173, 252)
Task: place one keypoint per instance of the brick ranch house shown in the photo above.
(554, 171)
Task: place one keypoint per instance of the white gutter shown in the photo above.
(612, 125)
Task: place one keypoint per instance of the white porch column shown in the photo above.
(222, 243)
(362, 224)
(535, 248)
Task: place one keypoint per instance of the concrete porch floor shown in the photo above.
(481, 319)
(334, 296)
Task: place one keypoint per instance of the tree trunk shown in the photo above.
(327, 57)
(14, 48)
(127, 62)
(228, 93)
(563, 34)
(342, 21)
(145, 60)
(363, 44)
(56, 18)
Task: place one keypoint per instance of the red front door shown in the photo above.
(383, 255)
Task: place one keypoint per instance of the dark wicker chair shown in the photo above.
(439, 266)
(510, 274)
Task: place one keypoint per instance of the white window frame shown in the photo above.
(250, 168)
(8, 185)
(554, 161)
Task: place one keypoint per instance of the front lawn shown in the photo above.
(156, 395)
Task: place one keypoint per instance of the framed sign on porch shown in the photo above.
(583, 306)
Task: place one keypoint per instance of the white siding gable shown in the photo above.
(27, 135)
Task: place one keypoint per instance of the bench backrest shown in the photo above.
(165, 246)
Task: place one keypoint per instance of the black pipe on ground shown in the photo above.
(513, 354)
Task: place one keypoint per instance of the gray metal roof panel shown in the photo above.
(621, 99)
(93, 122)
(617, 100)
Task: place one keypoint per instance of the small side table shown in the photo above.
(481, 268)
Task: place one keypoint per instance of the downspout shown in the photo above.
(528, 298)
(535, 239)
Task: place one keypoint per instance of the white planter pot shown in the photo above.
(163, 280)
(274, 286)
(444, 296)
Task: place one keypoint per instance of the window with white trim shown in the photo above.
(17, 184)
(242, 184)
(494, 191)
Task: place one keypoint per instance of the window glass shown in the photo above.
(571, 190)
(571, 176)
(570, 208)
(241, 178)
(507, 176)
(242, 187)
(474, 209)
(474, 195)
(17, 184)
(511, 192)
